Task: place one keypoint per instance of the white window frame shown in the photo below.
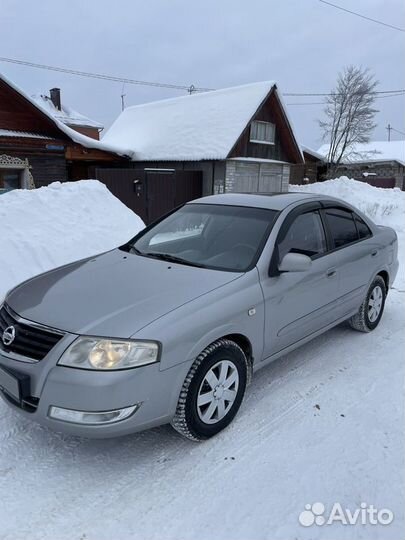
(260, 141)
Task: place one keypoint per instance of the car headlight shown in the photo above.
(105, 354)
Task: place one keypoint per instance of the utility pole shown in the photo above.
(123, 98)
(389, 129)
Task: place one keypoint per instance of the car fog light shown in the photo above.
(91, 418)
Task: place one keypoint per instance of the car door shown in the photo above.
(357, 255)
(297, 304)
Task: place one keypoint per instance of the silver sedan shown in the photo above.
(170, 327)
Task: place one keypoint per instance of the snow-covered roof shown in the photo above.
(189, 128)
(373, 152)
(311, 152)
(67, 115)
(73, 135)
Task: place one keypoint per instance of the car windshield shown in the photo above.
(219, 237)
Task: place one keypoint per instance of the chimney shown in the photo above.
(55, 98)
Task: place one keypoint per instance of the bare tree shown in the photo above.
(349, 114)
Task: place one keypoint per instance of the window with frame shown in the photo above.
(305, 235)
(362, 227)
(262, 132)
(342, 226)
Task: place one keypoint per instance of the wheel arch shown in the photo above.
(384, 274)
(246, 346)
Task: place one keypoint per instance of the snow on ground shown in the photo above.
(323, 424)
(58, 224)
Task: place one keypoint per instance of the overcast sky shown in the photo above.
(302, 44)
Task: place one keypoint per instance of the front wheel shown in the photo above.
(371, 310)
(212, 391)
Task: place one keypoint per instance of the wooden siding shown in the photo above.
(284, 148)
(17, 113)
(76, 152)
(47, 169)
(91, 132)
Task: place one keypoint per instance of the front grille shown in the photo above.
(31, 339)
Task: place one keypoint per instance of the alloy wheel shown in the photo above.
(375, 303)
(217, 392)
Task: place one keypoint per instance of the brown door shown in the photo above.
(151, 194)
(188, 186)
(160, 193)
(128, 185)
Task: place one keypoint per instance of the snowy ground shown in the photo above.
(323, 424)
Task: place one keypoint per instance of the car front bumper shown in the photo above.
(153, 390)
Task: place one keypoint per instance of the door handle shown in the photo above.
(331, 272)
(374, 252)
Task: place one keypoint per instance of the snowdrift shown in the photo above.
(55, 225)
(384, 206)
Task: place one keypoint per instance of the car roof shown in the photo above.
(271, 201)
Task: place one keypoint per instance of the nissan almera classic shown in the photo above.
(169, 327)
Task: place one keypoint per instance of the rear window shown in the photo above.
(362, 227)
(342, 226)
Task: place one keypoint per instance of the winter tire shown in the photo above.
(371, 310)
(212, 391)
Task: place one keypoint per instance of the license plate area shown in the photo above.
(15, 385)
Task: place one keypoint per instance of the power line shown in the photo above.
(190, 88)
(397, 130)
(297, 94)
(102, 76)
(324, 102)
(363, 16)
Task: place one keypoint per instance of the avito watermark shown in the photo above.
(366, 514)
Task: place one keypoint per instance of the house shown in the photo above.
(54, 105)
(235, 139)
(37, 148)
(379, 163)
(311, 170)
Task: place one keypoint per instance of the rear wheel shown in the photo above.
(212, 391)
(371, 310)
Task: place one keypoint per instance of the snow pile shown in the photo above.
(55, 225)
(383, 206)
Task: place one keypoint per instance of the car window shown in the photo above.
(341, 225)
(305, 235)
(220, 237)
(362, 227)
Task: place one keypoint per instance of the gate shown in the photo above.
(151, 193)
(379, 181)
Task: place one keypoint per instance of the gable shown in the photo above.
(17, 113)
(285, 147)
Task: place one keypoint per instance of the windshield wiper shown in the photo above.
(171, 258)
(133, 249)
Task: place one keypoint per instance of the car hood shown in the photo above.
(114, 294)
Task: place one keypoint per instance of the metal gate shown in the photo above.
(378, 181)
(151, 193)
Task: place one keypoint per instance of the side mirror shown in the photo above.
(295, 262)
